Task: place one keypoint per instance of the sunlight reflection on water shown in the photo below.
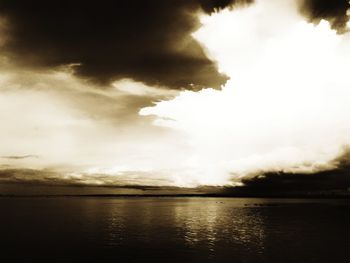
(177, 229)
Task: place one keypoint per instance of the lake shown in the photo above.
(166, 229)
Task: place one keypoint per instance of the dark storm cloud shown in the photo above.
(52, 177)
(32, 182)
(334, 11)
(213, 5)
(334, 181)
(148, 41)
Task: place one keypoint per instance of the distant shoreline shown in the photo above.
(178, 196)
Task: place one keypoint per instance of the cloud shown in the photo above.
(215, 5)
(76, 125)
(137, 179)
(19, 157)
(283, 111)
(333, 181)
(147, 41)
(286, 103)
(334, 11)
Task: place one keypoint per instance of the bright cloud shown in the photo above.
(286, 106)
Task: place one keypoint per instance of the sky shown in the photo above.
(133, 96)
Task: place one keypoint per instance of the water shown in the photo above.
(73, 229)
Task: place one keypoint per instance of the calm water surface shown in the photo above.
(174, 230)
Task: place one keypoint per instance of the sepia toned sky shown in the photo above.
(164, 94)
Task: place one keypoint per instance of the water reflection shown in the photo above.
(186, 226)
(116, 225)
(175, 229)
(216, 224)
